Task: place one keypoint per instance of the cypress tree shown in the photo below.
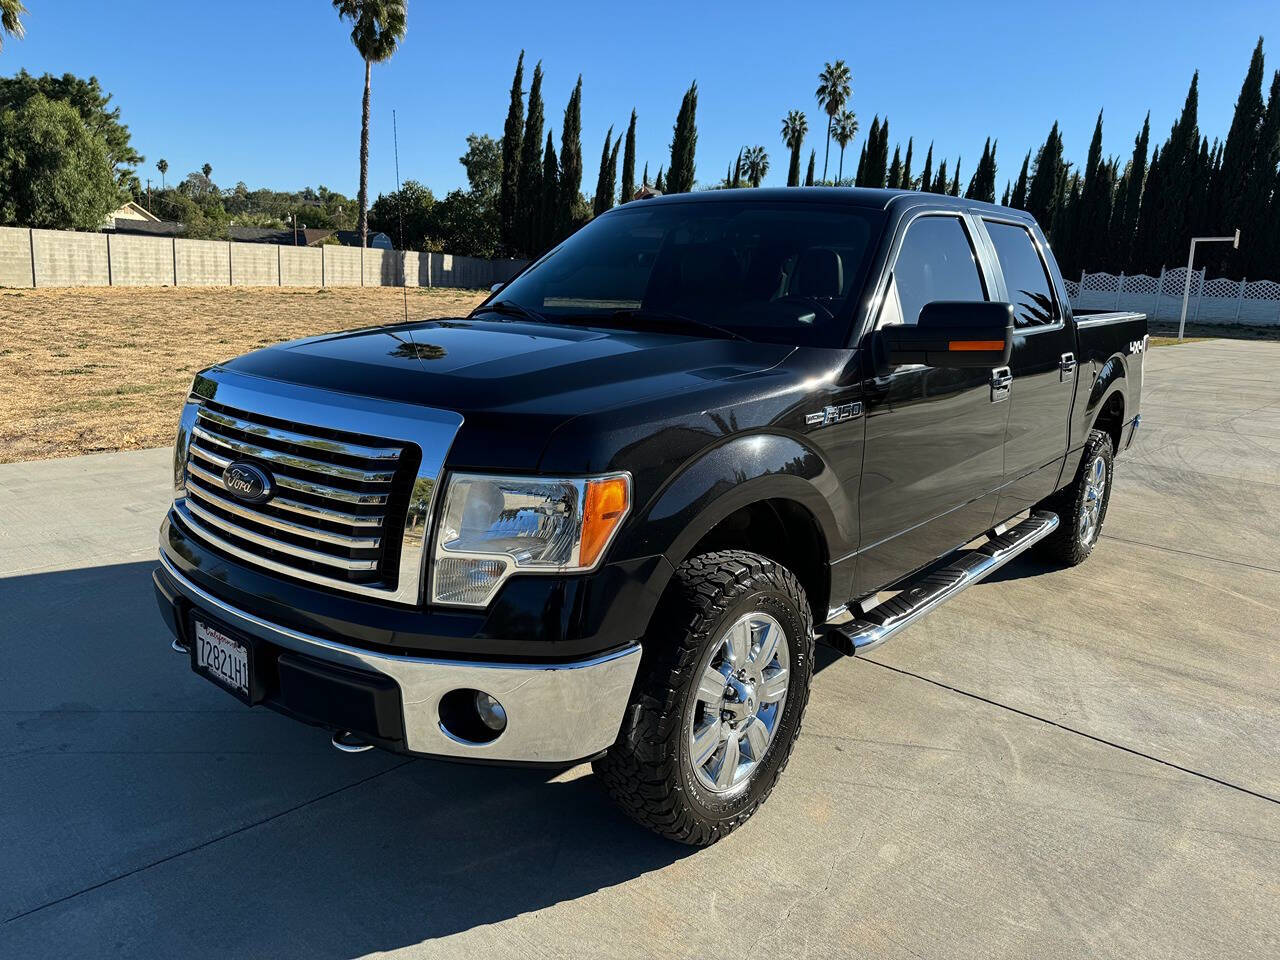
(611, 185)
(1092, 217)
(882, 155)
(1018, 199)
(1128, 204)
(629, 162)
(548, 222)
(1043, 191)
(1263, 249)
(658, 183)
(684, 143)
(1147, 253)
(982, 185)
(1240, 152)
(1004, 201)
(508, 232)
(1065, 236)
(1179, 159)
(859, 176)
(926, 175)
(644, 182)
(864, 177)
(940, 181)
(529, 181)
(737, 171)
(600, 203)
(813, 160)
(570, 161)
(895, 168)
(954, 189)
(906, 182)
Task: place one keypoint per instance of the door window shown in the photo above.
(936, 262)
(1029, 287)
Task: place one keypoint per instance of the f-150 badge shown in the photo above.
(829, 415)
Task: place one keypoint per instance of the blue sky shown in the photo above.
(268, 91)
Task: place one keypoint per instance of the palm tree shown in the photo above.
(207, 170)
(794, 128)
(844, 129)
(756, 163)
(377, 27)
(10, 10)
(162, 164)
(835, 86)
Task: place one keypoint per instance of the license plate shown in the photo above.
(222, 658)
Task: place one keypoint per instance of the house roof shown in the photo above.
(305, 236)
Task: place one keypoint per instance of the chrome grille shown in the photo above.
(338, 498)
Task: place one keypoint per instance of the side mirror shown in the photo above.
(948, 333)
(497, 286)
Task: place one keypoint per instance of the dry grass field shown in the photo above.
(90, 369)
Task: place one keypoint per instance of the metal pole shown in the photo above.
(1155, 310)
(1186, 292)
(1240, 298)
(1119, 289)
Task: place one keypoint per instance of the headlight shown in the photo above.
(493, 527)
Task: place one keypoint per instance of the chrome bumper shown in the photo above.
(555, 712)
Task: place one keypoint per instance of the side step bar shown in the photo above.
(867, 631)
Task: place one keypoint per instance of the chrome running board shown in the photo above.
(868, 630)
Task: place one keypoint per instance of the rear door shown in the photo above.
(933, 457)
(1042, 363)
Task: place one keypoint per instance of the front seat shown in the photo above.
(817, 275)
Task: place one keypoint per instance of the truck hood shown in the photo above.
(514, 382)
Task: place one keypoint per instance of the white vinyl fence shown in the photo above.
(1212, 301)
(64, 258)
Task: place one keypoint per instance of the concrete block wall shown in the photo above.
(141, 261)
(203, 263)
(342, 266)
(66, 259)
(15, 257)
(301, 266)
(255, 264)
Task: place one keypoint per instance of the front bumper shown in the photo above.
(556, 712)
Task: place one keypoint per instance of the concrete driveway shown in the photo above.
(1072, 763)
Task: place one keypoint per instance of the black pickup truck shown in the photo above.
(608, 514)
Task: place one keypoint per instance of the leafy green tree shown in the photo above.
(483, 163)
(813, 160)
(835, 87)
(207, 170)
(10, 11)
(163, 166)
(1043, 191)
(548, 222)
(755, 162)
(94, 107)
(529, 182)
(377, 27)
(606, 179)
(629, 162)
(407, 215)
(512, 134)
(464, 223)
(684, 144)
(55, 173)
(794, 128)
(570, 161)
(844, 128)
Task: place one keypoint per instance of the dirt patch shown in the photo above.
(89, 370)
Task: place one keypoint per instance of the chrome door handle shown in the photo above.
(1067, 367)
(1001, 382)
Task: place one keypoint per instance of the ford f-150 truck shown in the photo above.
(607, 515)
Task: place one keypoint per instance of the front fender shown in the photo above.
(732, 475)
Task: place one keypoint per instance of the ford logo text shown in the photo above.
(246, 482)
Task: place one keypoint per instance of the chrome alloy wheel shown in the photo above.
(742, 689)
(1095, 489)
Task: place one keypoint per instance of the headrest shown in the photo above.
(818, 272)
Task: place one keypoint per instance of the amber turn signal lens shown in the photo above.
(606, 504)
(966, 345)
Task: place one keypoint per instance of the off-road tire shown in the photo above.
(648, 771)
(1065, 546)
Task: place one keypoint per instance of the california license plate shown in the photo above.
(222, 658)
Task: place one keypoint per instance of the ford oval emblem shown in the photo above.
(246, 482)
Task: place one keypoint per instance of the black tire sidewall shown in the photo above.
(795, 622)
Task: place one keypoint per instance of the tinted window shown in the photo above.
(936, 262)
(1029, 288)
(781, 272)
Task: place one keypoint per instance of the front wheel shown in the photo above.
(1082, 507)
(718, 703)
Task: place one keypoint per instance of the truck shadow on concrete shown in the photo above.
(151, 811)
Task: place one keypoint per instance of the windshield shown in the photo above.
(776, 272)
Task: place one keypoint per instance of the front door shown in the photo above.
(934, 456)
(1043, 367)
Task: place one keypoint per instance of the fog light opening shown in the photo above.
(472, 716)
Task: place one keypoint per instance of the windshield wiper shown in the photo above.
(509, 308)
(667, 317)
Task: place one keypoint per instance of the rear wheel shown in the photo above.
(719, 699)
(1082, 507)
